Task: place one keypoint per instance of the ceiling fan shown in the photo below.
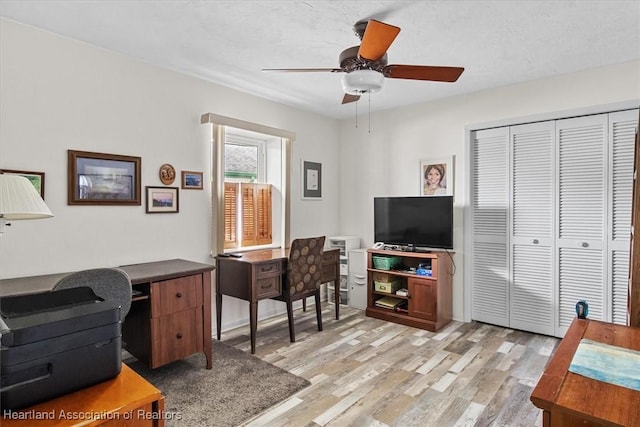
(366, 66)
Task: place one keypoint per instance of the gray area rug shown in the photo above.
(239, 387)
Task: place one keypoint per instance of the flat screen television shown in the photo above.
(419, 222)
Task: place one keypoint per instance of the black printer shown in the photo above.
(56, 342)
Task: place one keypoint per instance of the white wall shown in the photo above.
(386, 161)
(58, 94)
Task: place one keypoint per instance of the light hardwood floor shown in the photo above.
(368, 372)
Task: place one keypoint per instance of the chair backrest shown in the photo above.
(110, 284)
(304, 267)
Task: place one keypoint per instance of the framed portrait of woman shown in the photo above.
(436, 177)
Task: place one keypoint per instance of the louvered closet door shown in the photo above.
(581, 226)
(532, 222)
(490, 205)
(622, 129)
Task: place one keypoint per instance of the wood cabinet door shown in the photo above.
(423, 298)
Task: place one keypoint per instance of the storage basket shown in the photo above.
(386, 287)
(386, 262)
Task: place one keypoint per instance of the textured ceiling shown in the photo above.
(228, 42)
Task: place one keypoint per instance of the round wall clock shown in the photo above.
(167, 174)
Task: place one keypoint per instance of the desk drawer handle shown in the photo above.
(266, 286)
(179, 335)
(179, 295)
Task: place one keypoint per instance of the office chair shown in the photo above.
(109, 284)
(303, 277)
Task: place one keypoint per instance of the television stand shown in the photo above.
(429, 304)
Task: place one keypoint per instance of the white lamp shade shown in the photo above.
(362, 81)
(20, 200)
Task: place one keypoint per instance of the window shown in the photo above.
(271, 168)
(248, 202)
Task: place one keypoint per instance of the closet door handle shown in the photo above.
(536, 241)
(585, 245)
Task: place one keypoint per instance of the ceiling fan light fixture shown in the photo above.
(358, 82)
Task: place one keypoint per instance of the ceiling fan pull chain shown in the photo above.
(356, 114)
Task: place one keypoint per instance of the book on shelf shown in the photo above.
(388, 302)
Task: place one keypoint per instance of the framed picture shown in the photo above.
(102, 179)
(436, 177)
(192, 180)
(311, 180)
(36, 178)
(162, 199)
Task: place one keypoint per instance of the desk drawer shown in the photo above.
(176, 336)
(268, 268)
(171, 296)
(269, 287)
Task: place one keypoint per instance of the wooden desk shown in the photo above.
(127, 399)
(169, 320)
(259, 275)
(569, 399)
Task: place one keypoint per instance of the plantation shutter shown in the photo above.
(231, 215)
(622, 129)
(489, 283)
(532, 219)
(582, 177)
(256, 214)
(263, 214)
(248, 214)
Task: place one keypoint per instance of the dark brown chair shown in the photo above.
(303, 276)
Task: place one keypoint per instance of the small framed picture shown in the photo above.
(36, 178)
(436, 177)
(192, 180)
(311, 180)
(162, 199)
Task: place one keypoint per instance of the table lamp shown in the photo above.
(20, 200)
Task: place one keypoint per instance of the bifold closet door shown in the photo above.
(532, 290)
(622, 131)
(581, 225)
(490, 207)
(595, 186)
(551, 216)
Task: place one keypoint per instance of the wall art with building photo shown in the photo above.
(436, 176)
(311, 180)
(36, 178)
(162, 200)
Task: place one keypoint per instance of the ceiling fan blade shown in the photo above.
(423, 72)
(304, 70)
(377, 38)
(350, 98)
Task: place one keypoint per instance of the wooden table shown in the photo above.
(569, 399)
(258, 275)
(127, 399)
